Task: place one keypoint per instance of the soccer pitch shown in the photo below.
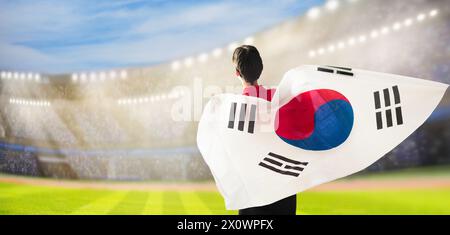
(355, 198)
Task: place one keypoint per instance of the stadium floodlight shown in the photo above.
(351, 41)
(112, 74)
(321, 51)
(408, 22)
(232, 46)
(217, 52)
(313, 13)
(188, 62)
(83, 77)
(332, 5)
(331, 48)
(362, 38)
(123, 74)
(176, 65)
(374, 34)
(102, 76)
(421, 17)
(74, 77)
(37, 77)
(249, 41)
(202, 58)
(396, 26)
(433, 13)
(93, 77)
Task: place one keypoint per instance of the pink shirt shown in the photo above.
(259, 91)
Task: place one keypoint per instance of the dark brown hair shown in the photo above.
(248, 62)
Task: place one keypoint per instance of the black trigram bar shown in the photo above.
(398, 114)
(387, 98)
(251, 123)
(232, 115)
(242, 115)
(389, 118)
(275, 163)
(376, 96)
(396, 95)
(337, 67)
(379, 121)
(287, 159)
(320, 69)
(344, 71)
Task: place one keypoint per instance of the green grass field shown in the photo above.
(37, 199)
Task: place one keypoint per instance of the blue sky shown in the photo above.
(65, 36)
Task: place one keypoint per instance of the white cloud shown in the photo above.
(24, 58)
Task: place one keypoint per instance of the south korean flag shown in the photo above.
(323, 123)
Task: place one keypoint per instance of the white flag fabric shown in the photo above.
(323, 123)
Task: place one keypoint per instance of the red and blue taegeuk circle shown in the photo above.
(316, 120)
